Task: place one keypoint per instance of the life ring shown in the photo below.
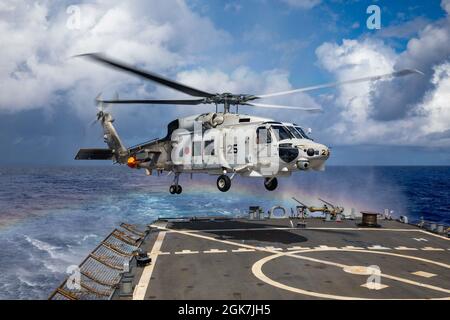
(271, 211)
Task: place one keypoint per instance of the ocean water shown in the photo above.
(52, 217)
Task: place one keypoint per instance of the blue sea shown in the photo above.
(52, 217)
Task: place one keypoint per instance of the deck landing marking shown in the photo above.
(257, 271)
(322, 247)
(144, 281)
(215, 251)
(162, 253)
(360, 270)
(186, 252)
(298, 248)
(302, 228)
(423, 274)
(374, 286)
(378, 247)
(405, 248)
(256, 268)
(273, 248)
(243, 250)
(432, 249)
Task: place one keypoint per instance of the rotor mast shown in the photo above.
(226, 102)
(226, 106)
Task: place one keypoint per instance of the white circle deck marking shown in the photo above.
(359, 270)
(257, 271)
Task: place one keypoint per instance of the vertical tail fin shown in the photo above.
(116, 149)
(111, 138)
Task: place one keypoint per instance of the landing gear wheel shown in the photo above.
(271, 184)
(223, 183)
(175, 189)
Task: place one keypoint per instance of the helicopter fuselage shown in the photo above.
(231, 143)
(219, 143)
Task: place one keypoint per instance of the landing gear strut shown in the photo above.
(223, 183)
(175, 187)
(271, 183)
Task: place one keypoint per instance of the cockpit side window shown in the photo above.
(281, 132)
(300, 130)
(263, 136)
(294, 132)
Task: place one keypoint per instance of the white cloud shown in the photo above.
(445, 4)
(413, 110)
(355, 59)
(36, 70)
(436, 104)
(429, 116)
(35, 66)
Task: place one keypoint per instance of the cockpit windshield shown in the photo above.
(304, 135)
(281, 132)
(294, 132)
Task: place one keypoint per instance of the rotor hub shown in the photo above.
(228, 99)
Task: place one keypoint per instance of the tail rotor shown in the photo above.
(101, 108)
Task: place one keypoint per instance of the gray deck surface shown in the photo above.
(245, 259)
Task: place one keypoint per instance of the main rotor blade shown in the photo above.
(146, 75)
(400, 73)
(179, 102)
(275, 106)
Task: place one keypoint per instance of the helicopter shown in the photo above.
(222, 143)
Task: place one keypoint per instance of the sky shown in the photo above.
(47, 97)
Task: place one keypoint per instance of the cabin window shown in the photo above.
(281, 133)
(263, 135)
(209, 147)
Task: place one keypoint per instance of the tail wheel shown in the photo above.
(271, 183)
(223, 183)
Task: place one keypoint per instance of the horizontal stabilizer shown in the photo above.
(94, 154)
